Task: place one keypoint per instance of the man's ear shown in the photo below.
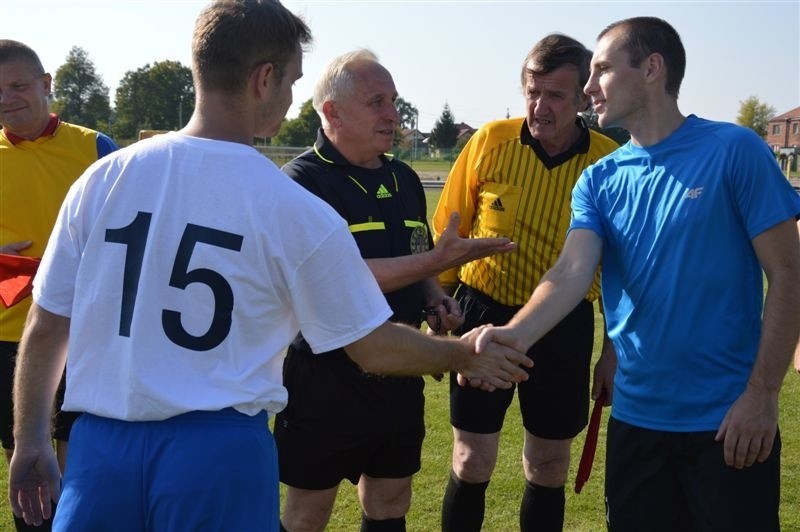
(654, 68)
(48, 82)
(263, 79)
(331, 112)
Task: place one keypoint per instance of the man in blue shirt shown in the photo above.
(685, 218)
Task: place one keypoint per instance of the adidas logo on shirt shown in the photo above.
(497, 205)
(383, 192)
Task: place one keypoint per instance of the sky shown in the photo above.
(467, 54)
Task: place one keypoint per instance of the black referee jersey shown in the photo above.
(384, 208)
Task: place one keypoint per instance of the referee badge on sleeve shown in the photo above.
(419, 239)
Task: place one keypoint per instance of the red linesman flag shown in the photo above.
(590, 445)
(16, 278)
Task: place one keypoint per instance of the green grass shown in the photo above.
(585, 511)
(430, 165)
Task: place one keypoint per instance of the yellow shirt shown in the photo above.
(34, 178)
(502, 188)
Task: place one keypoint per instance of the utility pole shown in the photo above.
(415, 132)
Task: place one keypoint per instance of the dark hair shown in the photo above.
(232, 37)
(554, 51)
(642, 36)
(17, 51)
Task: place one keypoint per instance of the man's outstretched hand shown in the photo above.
(453, 250)
(513, 361)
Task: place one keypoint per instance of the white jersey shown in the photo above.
(187, 265)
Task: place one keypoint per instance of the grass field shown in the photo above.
(430, 165)
(585, 511)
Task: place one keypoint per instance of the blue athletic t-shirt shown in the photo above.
(682, 286)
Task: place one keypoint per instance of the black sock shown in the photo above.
(542, 509)
(463, 505)
(396, 524)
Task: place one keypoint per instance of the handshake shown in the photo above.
(487, 357)
(498, 359)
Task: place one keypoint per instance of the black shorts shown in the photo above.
(666, 481)
(342, 423)
(62, 421)
(554, 401)
(8, 357)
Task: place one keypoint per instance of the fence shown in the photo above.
(432, 175)
(280, 155)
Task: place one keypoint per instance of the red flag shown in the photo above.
(590, 445)
(16, 278)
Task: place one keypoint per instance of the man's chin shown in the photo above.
(543, 134)
(604, 121)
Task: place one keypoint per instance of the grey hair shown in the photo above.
(337, 79)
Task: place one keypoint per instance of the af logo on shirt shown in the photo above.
(693, 193)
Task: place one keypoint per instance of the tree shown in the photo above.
(444, 133)
(154, 97)
(755, 115)
(80, 95)
(408, 114)
(300, 131)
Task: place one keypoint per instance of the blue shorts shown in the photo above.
(197, 471)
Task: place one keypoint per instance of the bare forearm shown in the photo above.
(39, 367)
(395, 349)
(797, 349)
(398, 272)
(779, 333)
(778, 251)
(433, 291)
(797, 357)
(559, 291)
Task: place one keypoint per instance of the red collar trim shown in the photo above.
(52, 124)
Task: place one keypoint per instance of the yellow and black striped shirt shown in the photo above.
(502, 187)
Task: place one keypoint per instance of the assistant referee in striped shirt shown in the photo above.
(514, 179)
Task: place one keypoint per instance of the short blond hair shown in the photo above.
(337, 79)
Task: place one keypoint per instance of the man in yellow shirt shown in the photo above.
(514, 179)
(40, 157)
